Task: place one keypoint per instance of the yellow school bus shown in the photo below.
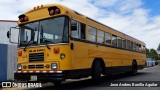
(56, 43)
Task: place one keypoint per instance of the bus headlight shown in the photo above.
(19, 66)
(54, 66)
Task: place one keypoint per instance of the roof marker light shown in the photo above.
(57, 11)
(53, 10)
(23, 18)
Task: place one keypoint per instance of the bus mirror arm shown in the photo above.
(70, 36)
(8, 34)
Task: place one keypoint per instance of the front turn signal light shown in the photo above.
(56, 50)
(19, 53)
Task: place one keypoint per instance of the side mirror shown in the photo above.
(12, 34)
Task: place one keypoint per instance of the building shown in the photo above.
(8, 51)
(5, 26)
(151, 62)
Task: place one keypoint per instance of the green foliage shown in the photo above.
(152, 53)
(158, 49)
(147, 53)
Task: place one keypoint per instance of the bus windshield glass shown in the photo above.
(49, 31)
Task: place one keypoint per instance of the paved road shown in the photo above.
(152, 75)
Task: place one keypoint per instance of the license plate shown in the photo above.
(33, 78)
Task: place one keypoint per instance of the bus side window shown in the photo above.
(144, 48)
(78, 29)
(124, 43)
(91, 34)
(131, 45)
(137, 47)
(134, 46)
(100, 36)
(128, 45)
(83, 31)
(119, 42)
(140, 50)
(108, 38)
(114, 40)
(74, 29)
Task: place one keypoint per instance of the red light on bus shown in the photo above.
(53, 10)
(56, 50)
(23, 18)
(57, 11)
(19, 53)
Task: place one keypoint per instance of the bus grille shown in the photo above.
(35, 66)
(36, 57)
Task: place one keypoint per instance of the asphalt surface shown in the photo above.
(145, 78)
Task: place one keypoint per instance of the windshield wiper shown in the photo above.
(47, 46)
(45, 42)
(27, 45)
(32, 39)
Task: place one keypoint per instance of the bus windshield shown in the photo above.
(49, 31)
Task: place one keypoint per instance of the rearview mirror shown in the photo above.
(12, 34)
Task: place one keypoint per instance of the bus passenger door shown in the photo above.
(78, 45)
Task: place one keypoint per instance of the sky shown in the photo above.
(137, 18)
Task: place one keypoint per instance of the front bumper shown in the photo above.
(41, 75)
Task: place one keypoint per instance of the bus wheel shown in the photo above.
(134, 68)
(96, 71)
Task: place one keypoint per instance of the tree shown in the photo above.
(158, 49)
(147, 52)
(151, 53)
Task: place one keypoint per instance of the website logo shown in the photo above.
(6, 84)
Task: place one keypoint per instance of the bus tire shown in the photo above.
(96, 71)
(134, 68)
